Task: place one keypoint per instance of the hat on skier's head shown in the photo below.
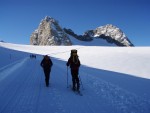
(46, 57)
(73, 52)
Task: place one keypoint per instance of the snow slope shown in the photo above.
(115, 80)
(94, 42)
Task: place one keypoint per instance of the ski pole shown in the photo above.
(67, 76)
(81, 82)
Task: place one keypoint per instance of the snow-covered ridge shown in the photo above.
(114, 32)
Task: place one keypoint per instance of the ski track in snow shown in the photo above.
(10, 68)
(18, 93)
(24, 91)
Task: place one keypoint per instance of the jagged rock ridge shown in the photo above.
(49, 32)
(110, 33)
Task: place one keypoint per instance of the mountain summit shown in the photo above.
(110, 33)
(50, 32)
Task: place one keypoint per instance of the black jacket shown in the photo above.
(74, 63)
(46, 63)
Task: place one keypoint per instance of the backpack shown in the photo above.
(74, 56)
(47, 61)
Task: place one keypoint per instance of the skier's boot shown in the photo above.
(78, 86)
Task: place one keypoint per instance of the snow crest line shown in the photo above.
(7, 70)
(64, 51)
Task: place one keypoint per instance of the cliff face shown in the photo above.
(49, 33)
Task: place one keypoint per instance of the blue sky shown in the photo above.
(19, 18)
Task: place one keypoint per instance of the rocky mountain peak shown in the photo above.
(110, 33)
(49, 32)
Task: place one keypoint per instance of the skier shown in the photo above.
(46, 63)
(74, 63)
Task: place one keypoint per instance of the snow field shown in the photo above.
(114, 80)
